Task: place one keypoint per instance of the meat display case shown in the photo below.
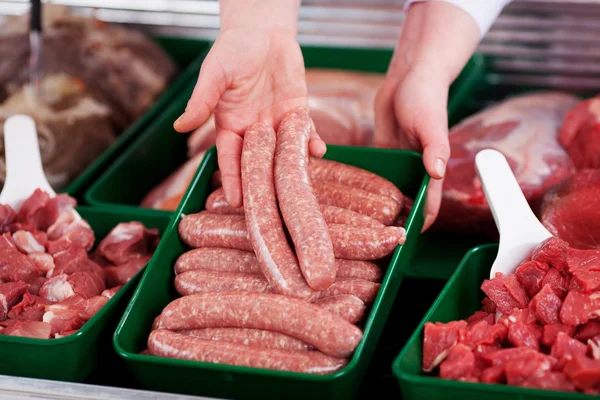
(545, 43)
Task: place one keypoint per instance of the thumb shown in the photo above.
(211, 85)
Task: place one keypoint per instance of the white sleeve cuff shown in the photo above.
(484, 12)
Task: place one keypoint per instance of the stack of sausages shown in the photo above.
(251, 297)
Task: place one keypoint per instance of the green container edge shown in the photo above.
(410, 382)
(464, 85)
(84, 180)
(415, 218)
(79, 369)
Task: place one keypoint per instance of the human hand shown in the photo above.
(249, 75)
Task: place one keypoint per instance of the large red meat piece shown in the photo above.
(546, 306)
(571, 210)
(128, 240)
(85, 308)
(584, 265)
(530, 275)
(578, 308)
(558, 281)
(566, 348)
(10, 294)
(525, 129)
(16, 266)
(552, 251)
(121, 274)
(438, 340)
(31, 308)
(580, 133)
(60, 287)
(506, 292)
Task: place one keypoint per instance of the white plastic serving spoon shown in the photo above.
(520, 230)
(24, 171)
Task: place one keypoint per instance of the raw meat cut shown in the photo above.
(525, 129)
(551, 332)
(121, 274)
(439, 339)
(530, 275)
(30, 329)
(10, 294)
(16, 266)
(31, 308)
(460, 363)
(506, 292)
(571, 210)
(546, 306)
(127, 241)
(580, 133)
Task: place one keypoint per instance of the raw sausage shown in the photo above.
(297, 201)
(382, 208)
(165, 343)
(366, 291)
(291, 316)
(349, 242)
(365, 243)
(217, 204)
(347, 306)
(203, 281)
(232, 260)
(211, 230)
(267, 237)
(249, 337)
(333, 171)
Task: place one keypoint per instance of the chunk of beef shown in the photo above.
(530, 275)
(10, 294)
(546, 306)
(506, 292)
(30, 329)
(438, 340)
(127, 241)
(31, 308)
(460, 363)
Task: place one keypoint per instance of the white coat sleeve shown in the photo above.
(484, 12)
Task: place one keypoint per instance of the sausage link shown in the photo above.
(275, 256)
(202, 281)
(333, 171)
(211, 230)
(217, 204)
(291, 316)
(250, 337)
(298, 204)
(232, 260)
(349, 242)
(366, 291)
(347, 306)
(165, 343)
(365, 243)
(216, 259)
(382, 208)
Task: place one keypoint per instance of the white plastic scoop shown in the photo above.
(24, 172)
(520, 230)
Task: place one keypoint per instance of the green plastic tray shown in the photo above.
(159, 150)
(74, 357)
(460, 298)
(188, 56)
(156, 290)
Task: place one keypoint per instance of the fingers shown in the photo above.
(434, 199)
(316, 145)
(229, 150)
(208, 90)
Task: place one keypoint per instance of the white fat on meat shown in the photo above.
(57, 289)
(27, 243)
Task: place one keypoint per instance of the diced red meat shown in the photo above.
(552, 251)
(588, 331)
(30, 329)
(488, 306)
(10, 294)
(31, 308)
(525, 335)
(580, 133)
(594, 347)
(484, 333)
(480, 351)
(558, 281)
(438, 340)
(460, 363)
(100, 260)
(500, 357)
(40, 237)
(35, 285)
(43, 261)
(6, 241)
(566, 348)
(63, 320)
(15, 266)
(74, 259)
(7, 217)
(493, 375)
(69, 227)
(579, 307)
(85, 308)
(27, 243)
(57, 288)
(518, 369)
(34, 213)
(584, 372)
(549, 380)
(109, 293)
(127, 241)
(506, 292)
(546, 305)
(551, 331)
(530, 275)
(481, 315)
(87, 284)
(585, 267)
(121, 274)
(524, 316)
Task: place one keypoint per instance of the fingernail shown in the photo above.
(440, 167)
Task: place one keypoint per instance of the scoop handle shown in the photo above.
(514, 218)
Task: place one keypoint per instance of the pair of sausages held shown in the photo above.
(203, 281)
(165, 343)
(217, 204)
(229, 231)
(291, 316)
(232, 260)
(265, 235)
